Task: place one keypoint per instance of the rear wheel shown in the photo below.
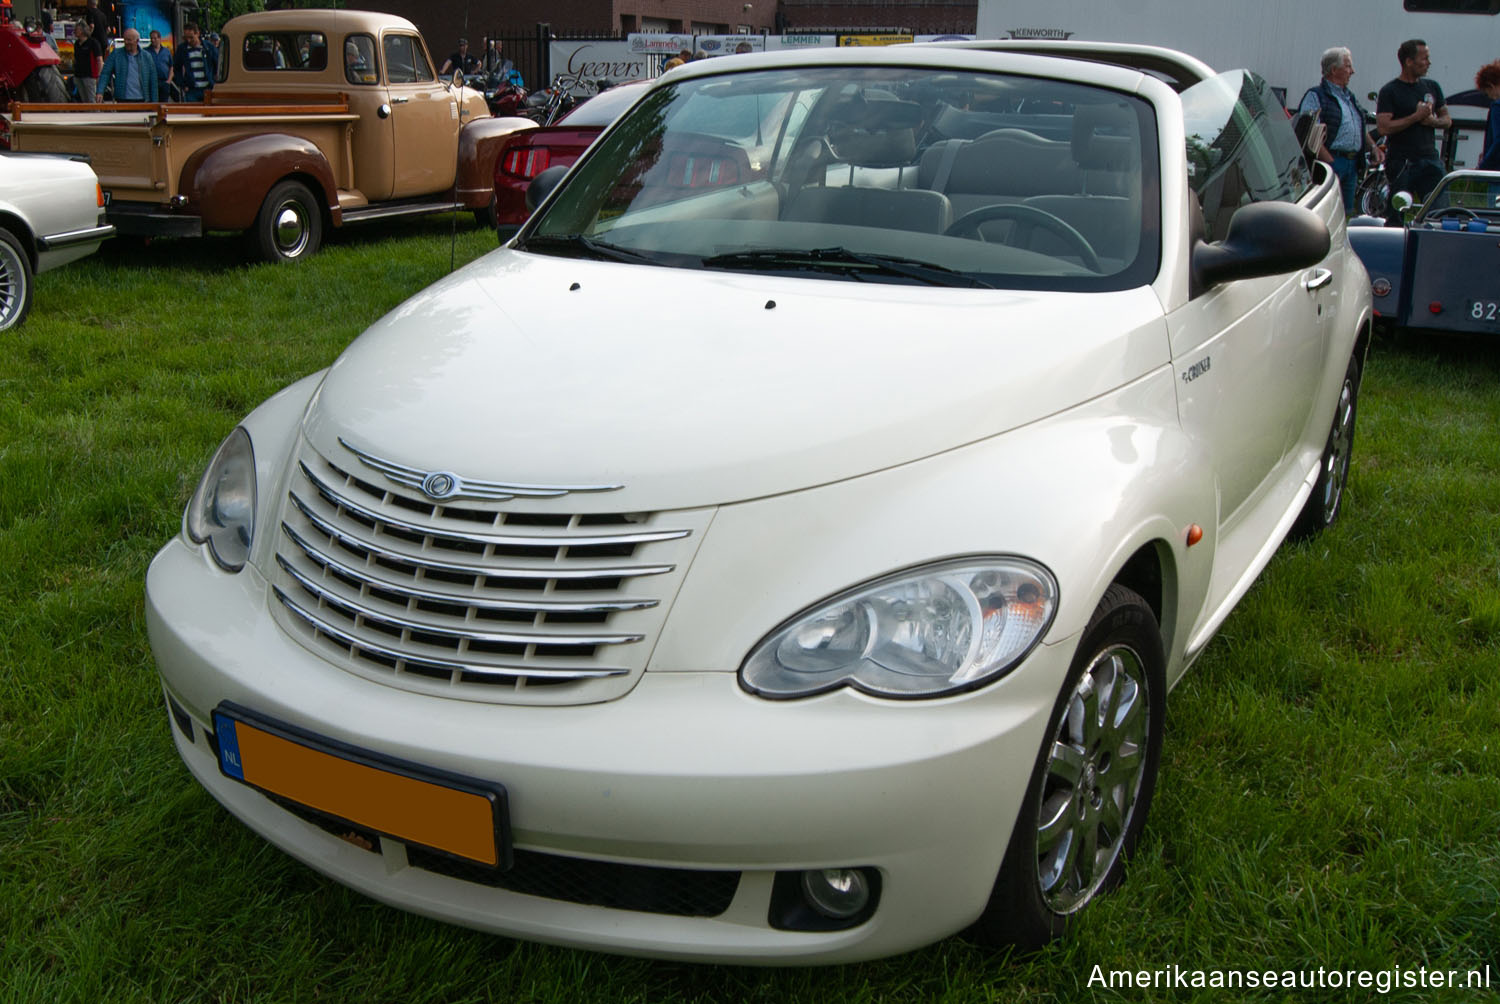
(1327, 498)
(487, 218)
(44, 84)
(289, 225)
(15, 281)
(1091, 787)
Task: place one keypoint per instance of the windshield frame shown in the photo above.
(1139, 271)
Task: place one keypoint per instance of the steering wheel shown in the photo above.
(1457, 211)
(1029, 216)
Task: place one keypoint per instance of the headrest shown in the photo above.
(874, 129)
(1110, 122)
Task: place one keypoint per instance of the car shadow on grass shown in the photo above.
(224, 252)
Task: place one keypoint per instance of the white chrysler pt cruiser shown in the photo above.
(782, 550)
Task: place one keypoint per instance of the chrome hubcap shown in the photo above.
(290, 229)
(1094, 774)
(1340, 445)
(12, 291)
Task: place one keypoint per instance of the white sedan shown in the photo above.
(51, 213)
(781, 551)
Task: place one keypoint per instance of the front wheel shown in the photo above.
(1327, 498)
(1092, 783)
(44, 84)
(15, 281)
(289, 225)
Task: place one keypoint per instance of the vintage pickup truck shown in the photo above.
(320, 118)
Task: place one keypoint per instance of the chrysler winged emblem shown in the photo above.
(443, 486)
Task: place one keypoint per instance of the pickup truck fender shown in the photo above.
(479, 145)
(226, 182)
(1383, 252)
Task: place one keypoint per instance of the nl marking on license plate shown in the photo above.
(447, 812)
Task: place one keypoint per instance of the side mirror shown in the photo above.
(1265, 238)
(542, 185)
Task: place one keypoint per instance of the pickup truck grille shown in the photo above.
(499, 601)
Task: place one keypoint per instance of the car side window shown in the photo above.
(359, 60)
(286, 50)
(406, 61)
(1240, 148)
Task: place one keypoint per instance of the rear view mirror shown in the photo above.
(542, 185)
(1265, 238)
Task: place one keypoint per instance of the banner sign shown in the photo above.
(656, 44)
(612, 61)
(874, 39)
(728, 45)
(800, 41)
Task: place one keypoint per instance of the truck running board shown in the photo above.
(384, 211)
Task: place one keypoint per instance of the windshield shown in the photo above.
(886, 174)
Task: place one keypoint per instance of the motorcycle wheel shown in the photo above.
(1373, 199)
(46, 85)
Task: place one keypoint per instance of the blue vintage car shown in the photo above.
(1442, 270)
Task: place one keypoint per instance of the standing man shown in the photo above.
(196, 65)
(88, 61)
(1344, 135)
(1408, 112)
(130, 71)
(98, 24)
(460, 60)
(163, 59)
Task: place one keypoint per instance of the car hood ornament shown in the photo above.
(444, 486)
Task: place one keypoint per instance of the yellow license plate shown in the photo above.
(447, 812)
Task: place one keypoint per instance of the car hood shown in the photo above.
(692, 388)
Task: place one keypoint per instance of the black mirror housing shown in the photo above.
(1265, 238)
(542, 185)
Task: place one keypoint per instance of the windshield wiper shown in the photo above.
(582, 247)
(855, 264)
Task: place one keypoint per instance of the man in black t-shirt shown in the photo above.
(1408, 112)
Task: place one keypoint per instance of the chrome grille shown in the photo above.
(470, 598)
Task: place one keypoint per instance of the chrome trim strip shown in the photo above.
(56, 242)
(535, 606)
(413, 477)
(489, 571)
(445, 631)
(486, 669)
(500, 540)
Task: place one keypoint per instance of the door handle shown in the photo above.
(1317, 279)
(399, 101)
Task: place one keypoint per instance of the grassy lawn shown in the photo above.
(1330, 790)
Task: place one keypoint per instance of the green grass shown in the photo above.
(1329, 792)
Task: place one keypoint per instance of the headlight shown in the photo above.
(920, 633)
(222, 512)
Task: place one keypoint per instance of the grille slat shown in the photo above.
(472, 598)
(529, 670)
(591, 571)
(369, 614)
(464, 537)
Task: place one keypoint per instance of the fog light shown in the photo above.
(836, 893)
(824, 899)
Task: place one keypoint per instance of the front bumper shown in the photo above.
(685, 772)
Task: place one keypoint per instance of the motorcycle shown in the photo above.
(504, 94)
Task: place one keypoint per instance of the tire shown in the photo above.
(1327, 499)
(488, 217)
(1092, 783)
(15, 281)
(289, 225)
(44, 84)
